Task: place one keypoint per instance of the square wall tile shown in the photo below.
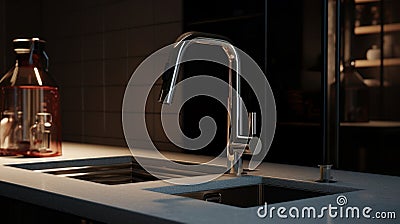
(139, 144)
(167, 146)
(113, 98)
(141, 41)
(171, 128)
(53, 48)
(72, 138)
(137, 99)
(104, 141)
(19, 12)
(115, 72)
(149, 70)
(132, 64)
(115, 15)
(167, 11)
(115, 45)
(155, 95)
(67, 74)
(139, 13)
(71, 99)
(92, 4)
(114, 141)
(159, 133)
(137, 126)
(114, 125)
(149, 118)
(94, 124)
(93, 73)
(67, 6)
(72, 122)
(93, 18)
(73, 24)
(125, 14)
(92, 47)
(93, 98)
(170, 31)
(65, 49)
(55, 18)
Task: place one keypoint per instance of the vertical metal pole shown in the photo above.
(382, 21)
(338, 48)
(381, 78)
(330, 71)
(324, 84)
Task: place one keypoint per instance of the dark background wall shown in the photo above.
(94, 46)
(283, 37)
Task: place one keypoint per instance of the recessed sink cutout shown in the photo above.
(110, 170)
(256, 191)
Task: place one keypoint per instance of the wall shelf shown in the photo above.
(376, 63)
(365, 1)
(377, 29)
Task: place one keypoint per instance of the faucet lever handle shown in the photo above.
(255, 146)
(252, 124)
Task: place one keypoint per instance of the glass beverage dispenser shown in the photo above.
(29, 103)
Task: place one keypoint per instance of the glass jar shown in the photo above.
(40, 139)
(28, 89)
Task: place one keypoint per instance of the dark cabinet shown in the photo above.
(371, 44)
(19, 212)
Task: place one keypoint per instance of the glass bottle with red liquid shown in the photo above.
(30, 122)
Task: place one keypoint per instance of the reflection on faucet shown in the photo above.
(237, 139)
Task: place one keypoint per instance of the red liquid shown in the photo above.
(29, 101)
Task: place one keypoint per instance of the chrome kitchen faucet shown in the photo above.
(237, 141)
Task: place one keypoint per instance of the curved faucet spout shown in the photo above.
(180, 46)
(237, 137)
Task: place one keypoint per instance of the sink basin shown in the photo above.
(253, 195)
(110, 171)
(253, 191)
(243, 192)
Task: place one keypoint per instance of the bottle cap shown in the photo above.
(23, 45)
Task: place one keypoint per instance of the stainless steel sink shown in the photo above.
(115, 170)
(256, 191)
(110, 170)
(245, 191)
(253, 195)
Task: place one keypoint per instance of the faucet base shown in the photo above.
(325, 174)
(235, 168)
